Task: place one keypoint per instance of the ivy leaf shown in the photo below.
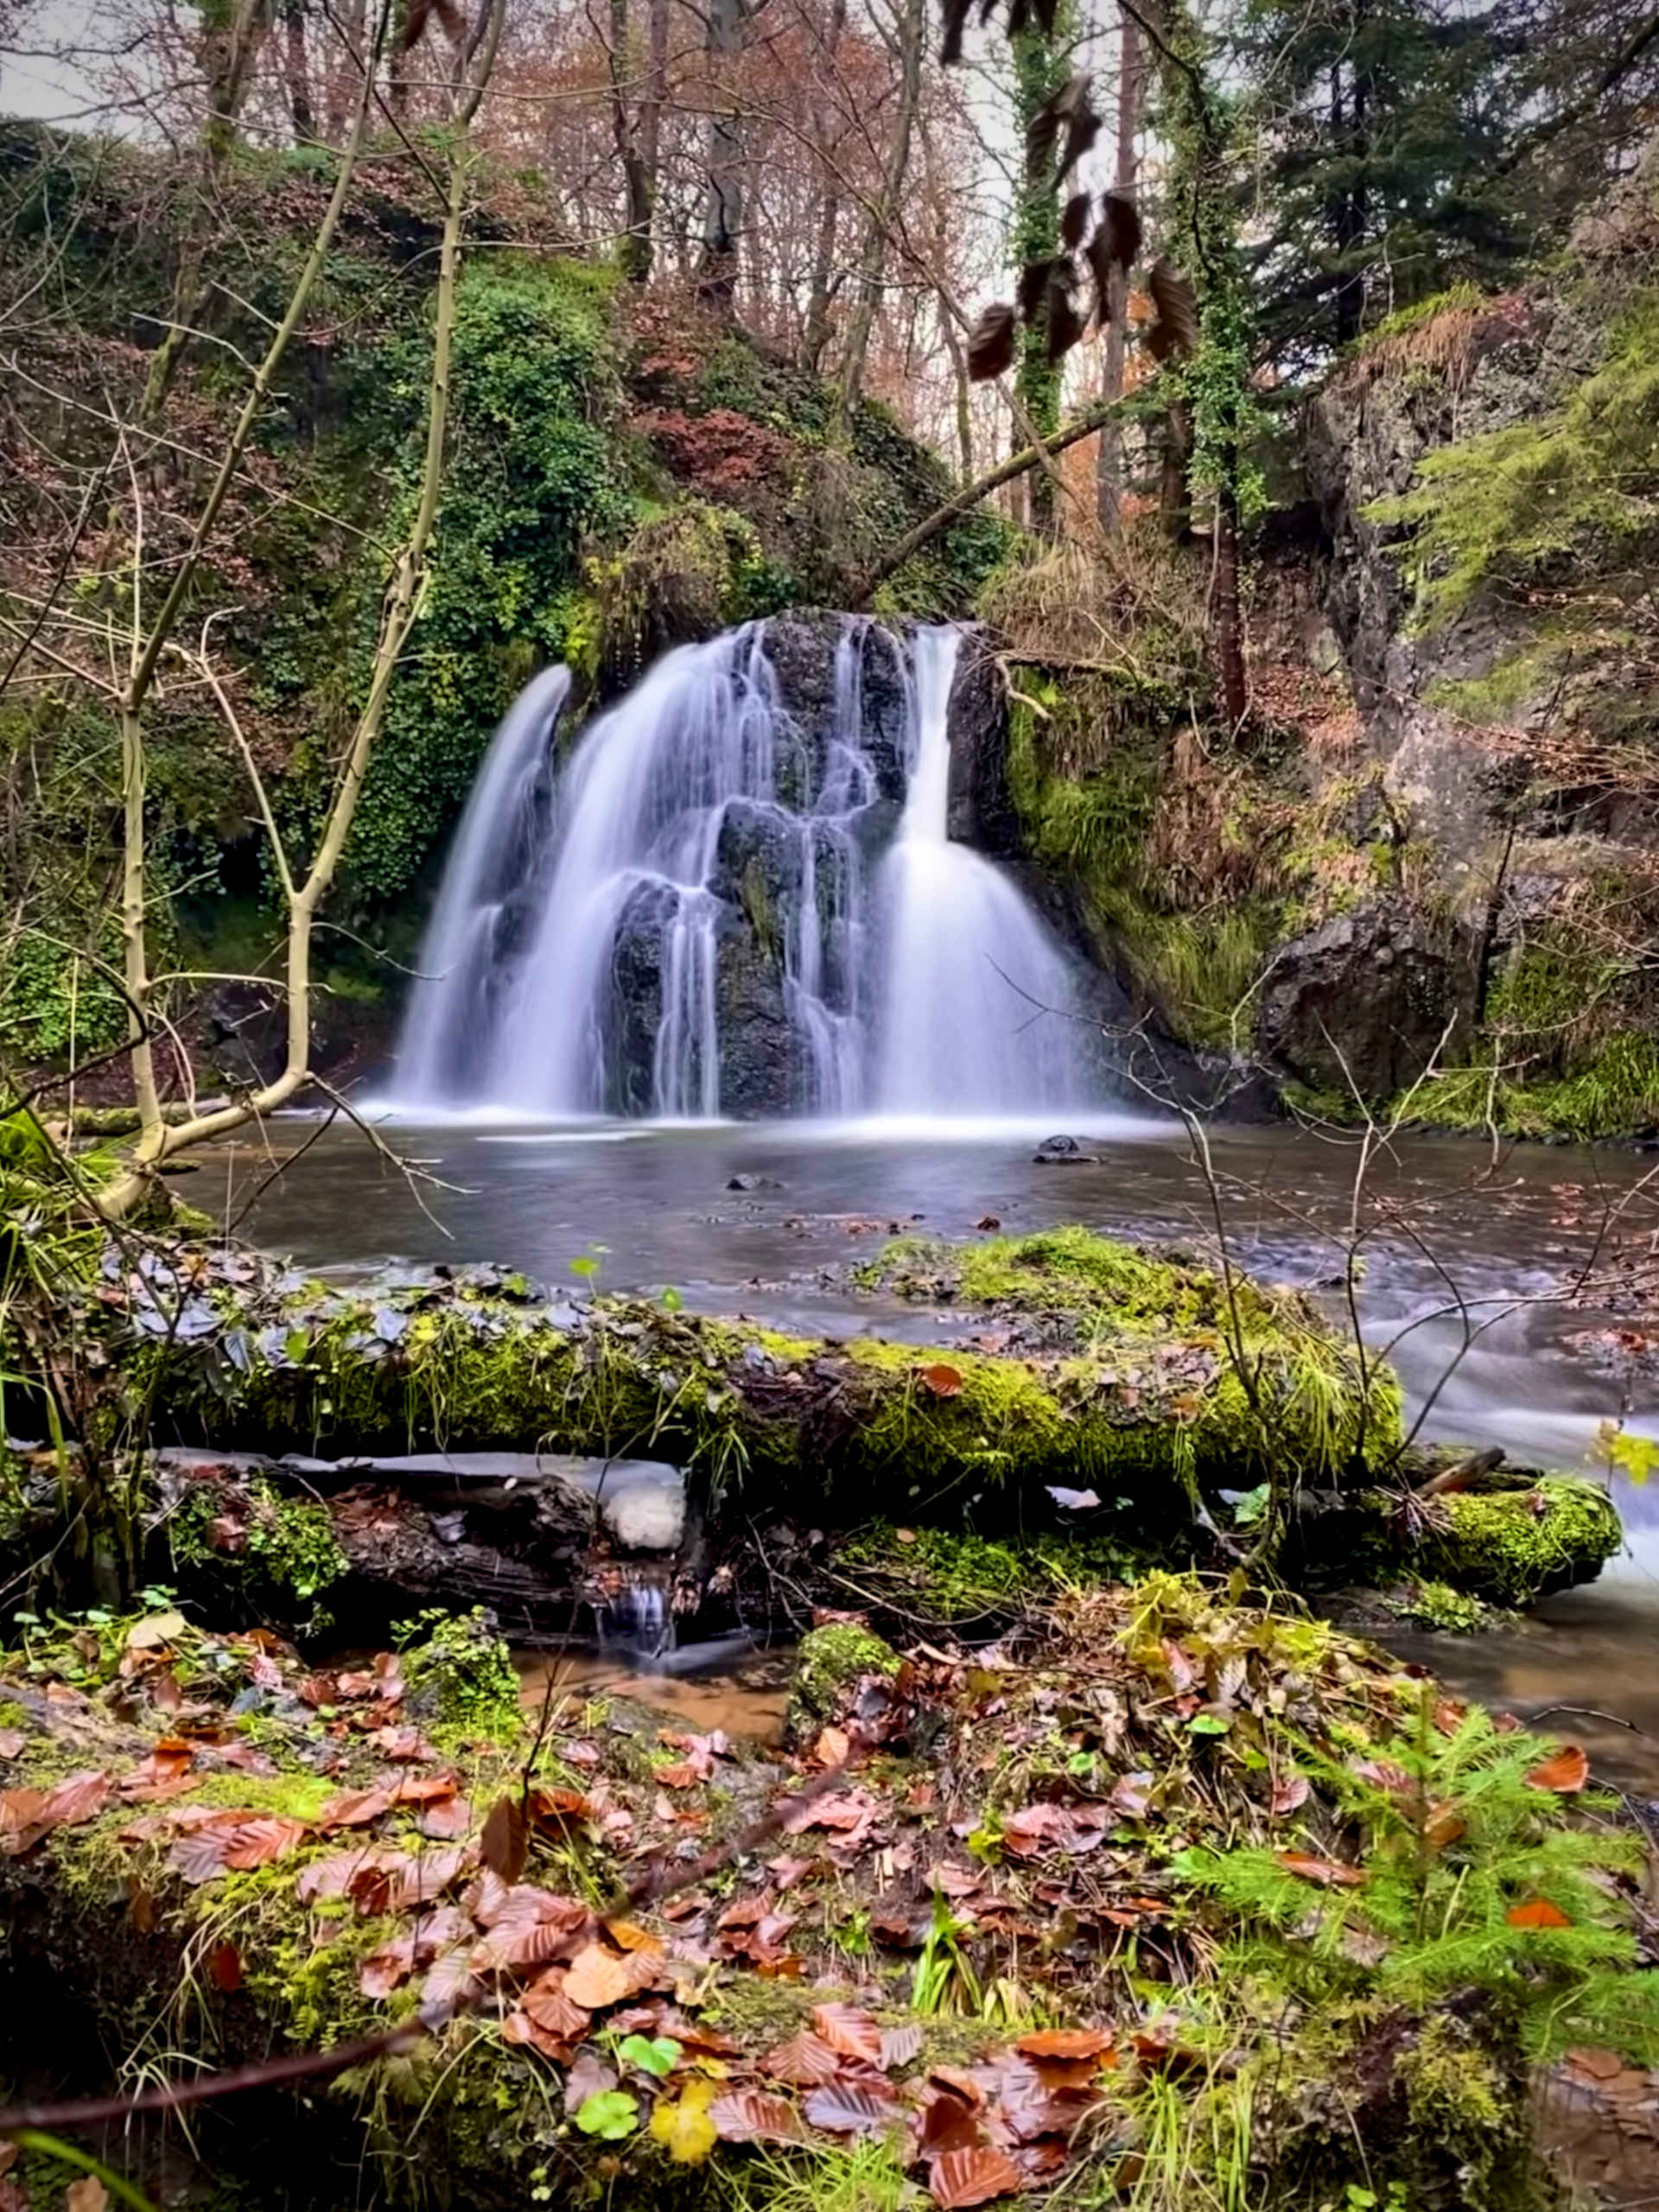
(682, 2125)
(609, 2114)
(655, 2054)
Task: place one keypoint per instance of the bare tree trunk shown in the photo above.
(1109, 460)
(302, 114)
(816, 335)
(624, 127)
(1229, 615)
(226, 52)
(352, 19)
(650, 112)
(954, 347)
(910, 34)
(722, 216)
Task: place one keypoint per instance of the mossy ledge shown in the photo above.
(1165, 1396)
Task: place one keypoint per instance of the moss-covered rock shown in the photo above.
(829, 1665)
(1516, 1546)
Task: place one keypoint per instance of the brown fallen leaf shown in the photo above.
(504, 1844)
(550, 2007)
(851, 2032)
(86, 2195)
(805, 2062)
(957, 2178)
(224, 1969)
(752, 2116)
(12, 1741)
(1289, 1793)
(1331, 1873)
(844, 2107)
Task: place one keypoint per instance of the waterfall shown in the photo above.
(467, 949)
(978, 996)
(740, 896)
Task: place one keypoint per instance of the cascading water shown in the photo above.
(978, 999)
(740, 895)
(468, 948)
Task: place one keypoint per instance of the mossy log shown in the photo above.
(1165, 1395)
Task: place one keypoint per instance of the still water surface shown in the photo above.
(1459, 1247)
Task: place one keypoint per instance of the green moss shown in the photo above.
(829, 1661)
(1514, 1546)
(459, 1665)
(1455, 299)
(1555, 497)
(951, 1575)
(1437, 1605)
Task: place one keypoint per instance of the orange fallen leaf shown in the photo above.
(504, 1844)
(944, 1381)
(1536, 1912)
(1564, 1772)
(597, 1977)
(1067, 2043)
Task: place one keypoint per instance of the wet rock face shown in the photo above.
(1363, 1001)
(981, 809)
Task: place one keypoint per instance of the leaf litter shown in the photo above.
(1037, 1797)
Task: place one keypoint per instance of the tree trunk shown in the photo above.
(954, 347)
(650, 114)
(722, 218)
(1229, 616)
(226, 52)
(907, 43)
(815, 336)
(1109, 460)
(1040, 68)
(625, 128)
(1174, 488)
(300, 111)
(341, 81)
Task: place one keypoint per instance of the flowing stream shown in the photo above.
(822, 1194)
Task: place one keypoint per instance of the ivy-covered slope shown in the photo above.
(624, 472)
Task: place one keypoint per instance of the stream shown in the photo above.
(1464, 1259)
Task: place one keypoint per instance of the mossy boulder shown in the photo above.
(1514, 1546)
(829, 1665)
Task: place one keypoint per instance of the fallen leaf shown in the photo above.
(683, 2126)
(1536, 1912)
(1067, 2043)
(843, 2108)
(1330, 1873)
(752, 2116)
(964, 2177)
(12, 1741)
(900, 2046)
(1443, 1825)
(851, 2032)
(805, 2061)
(1564, 1772)
(944, 1381)
(86, 2195)
(224, 1969)
(597, 1977)
(504, 1844)
(1385, 1774)
(550, 2007)
(1289, 1793)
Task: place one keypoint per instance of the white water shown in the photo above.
(977, 1010)
(464, 954)
(705, 862)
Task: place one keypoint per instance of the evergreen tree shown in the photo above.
(1382, 124)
